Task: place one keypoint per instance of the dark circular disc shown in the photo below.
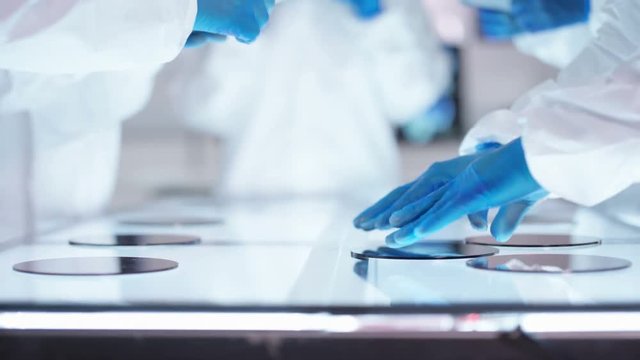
(161, 220)
(536, 240)
(426, 251)
(549, 263)
(94, 266)
(135, 240)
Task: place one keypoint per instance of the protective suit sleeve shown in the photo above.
(581, 131)
(409, 66)
(76, 36)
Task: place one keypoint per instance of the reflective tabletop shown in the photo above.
(294, 257)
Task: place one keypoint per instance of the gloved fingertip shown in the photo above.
(250, 33)
(422, 230)
(396, 218)
(390, 239)
(501, 236)
(196, 39)
(393, 243)
(362, 219)
(245, 40)
(382, 223)
(248, 36)
(401, 238)
(367, 225)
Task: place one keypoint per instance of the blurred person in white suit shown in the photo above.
(70, 72)
(311, 107)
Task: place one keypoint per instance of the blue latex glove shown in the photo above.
(539, 15)
(378, 216)
(498, 25)
(498, 178)
(366, 9)
(533, 16)
(242, 19)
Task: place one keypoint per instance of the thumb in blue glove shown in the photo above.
(499, 178)
(242, 19)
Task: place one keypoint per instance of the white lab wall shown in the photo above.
(493, 76)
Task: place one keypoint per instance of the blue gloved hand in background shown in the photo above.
(366, 9)
(378, 216)
(497, 178)
(242, 19)
(532, 16)
(539, 15)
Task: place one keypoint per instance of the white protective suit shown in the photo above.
(581, 131)
(558, 48)
(308, 108)
(62, 98)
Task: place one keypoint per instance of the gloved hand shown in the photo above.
(497, 178)
(378, 216)
(533, 16)
(366, 9)
(242, 19)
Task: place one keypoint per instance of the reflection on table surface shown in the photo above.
(298, 253)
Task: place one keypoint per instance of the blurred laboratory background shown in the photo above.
(316, 106)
